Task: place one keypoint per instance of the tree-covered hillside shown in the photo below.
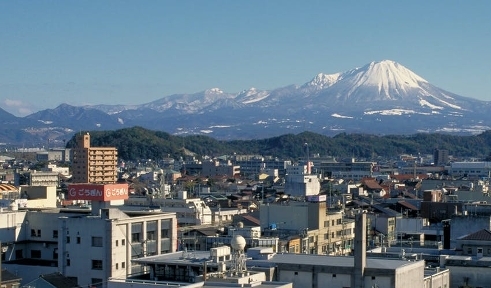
(139, 143)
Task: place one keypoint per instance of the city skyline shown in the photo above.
(131, 53)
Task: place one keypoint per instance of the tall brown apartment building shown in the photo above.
(93, 164)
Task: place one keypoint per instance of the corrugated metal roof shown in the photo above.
(8, 187)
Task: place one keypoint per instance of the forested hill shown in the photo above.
(139, 143)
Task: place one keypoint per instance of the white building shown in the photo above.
(220, 267)
(471, 170)
(86, 245)
(189, 211)
(65, 171)
(298, 182)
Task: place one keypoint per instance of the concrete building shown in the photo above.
(220, 267)
(351, 271)
(462, 225)
(467, 271)
(252, 165)
(346, 170)
(214, 168)
(37, 178)
(301, 270)
(252, 237)
(470, 170)
(39, 196)
(323, 231)
(93, 164)
(189, 211)
(440, 157)
(65, 171)
(81, 243)
(299, 181)
(475, 244)
(97, 247)
(56, 154)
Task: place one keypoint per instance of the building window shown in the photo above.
(117, 243)
(135, 237)
(123, 242)
(35, 254)
(117, 265)
(68, 239)
(296, 273)
(326, 223)
(67, 262)
(55, 234)
(123, 264)
(39, 233)
(333, 275)
(96, 264)
(150, 235)
(33, 233)
(373, 277)
(78, 240)
(164, 233)
(469, 250)
(97, 242)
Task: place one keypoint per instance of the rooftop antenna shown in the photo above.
(239, 267)
(307, 156)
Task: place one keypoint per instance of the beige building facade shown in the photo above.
(93, 164)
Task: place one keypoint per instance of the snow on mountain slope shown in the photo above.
(380, 97)
(251, 95)
(387, 83)
(189, 103)
(322, 81)
(384, 84)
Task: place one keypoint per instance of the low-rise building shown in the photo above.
(323, 230)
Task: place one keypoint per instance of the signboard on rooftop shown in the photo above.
(97, 192)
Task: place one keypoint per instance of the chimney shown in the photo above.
(360, 247)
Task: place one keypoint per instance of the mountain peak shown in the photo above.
(388, 73)
(322, 80)
(214, 91)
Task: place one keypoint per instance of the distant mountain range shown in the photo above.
(379, 98)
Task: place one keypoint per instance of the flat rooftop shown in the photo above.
(337, 261)
(198, 257)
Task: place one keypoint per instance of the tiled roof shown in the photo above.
(9, 277)
(408, 205)
(252, 219)
(60, 281)
(206, 231)
(372, 184)
(402, 177)
(481, 235)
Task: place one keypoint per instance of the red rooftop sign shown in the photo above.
(97, 192)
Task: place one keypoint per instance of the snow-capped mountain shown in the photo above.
(381, 97)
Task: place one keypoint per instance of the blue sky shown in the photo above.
(134, 52)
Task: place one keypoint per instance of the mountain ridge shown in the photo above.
(383, 97)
